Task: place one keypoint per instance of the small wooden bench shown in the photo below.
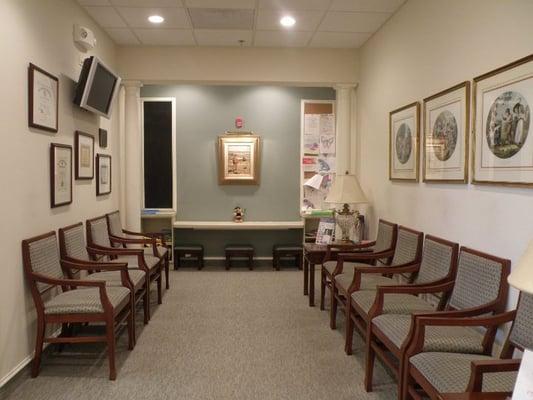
(240, 251)
(287, 251)
(194, 251)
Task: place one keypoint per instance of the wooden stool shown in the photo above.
(287, 251)
(195, 251)
(240, 251)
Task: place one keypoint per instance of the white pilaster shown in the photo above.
(345, 127)
(132, 155)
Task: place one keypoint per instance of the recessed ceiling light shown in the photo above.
(287, 21)
(156, 19)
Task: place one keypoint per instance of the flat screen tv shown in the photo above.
(97, 87)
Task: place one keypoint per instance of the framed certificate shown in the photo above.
(43, 99)
(60, 174)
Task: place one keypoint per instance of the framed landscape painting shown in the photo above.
(446, 132)
(103, 174)
(238, 159)
(404, 132)
(503, 142)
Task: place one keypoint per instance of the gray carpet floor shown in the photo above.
(235, 334)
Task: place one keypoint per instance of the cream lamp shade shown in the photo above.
(522, 274)
(346, 190)
(315, 181)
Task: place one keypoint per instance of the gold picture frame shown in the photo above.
(404, 161)
(446, 135)
(502, 143)
(238, 158)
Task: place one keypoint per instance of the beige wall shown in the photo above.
(428, 46)
(39, 32)
(238, 65)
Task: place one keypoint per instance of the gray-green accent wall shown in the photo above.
(203, 113)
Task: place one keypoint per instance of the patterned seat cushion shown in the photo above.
(368, 281)
(113, 278)
(457, 339)
(392, 303)
(86, 301)
(133, 261)
(149, 251)
(330, 266)
(450, 372)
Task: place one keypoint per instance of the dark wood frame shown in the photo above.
(96, 251)
(77, 155)
(148, 238)
(31, 80)
(412, 376)
(53, 147)
(138, 294)
(477, 79)
(466, 86)
(98, 158)
(112, 318)
(334, 249)
(380, 343)
(415, 104)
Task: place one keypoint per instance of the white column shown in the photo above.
(132, 155)
(345, 127)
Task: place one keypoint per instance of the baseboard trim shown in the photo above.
(23, 364)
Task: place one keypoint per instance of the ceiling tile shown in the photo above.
(106, 17)
(366, 5)
(294, 4)
(352, 22)
(226, 37)
(147, 3)
(339, 39)
(282, 38)
(123, 36)
(221, 18)
(242, 4)
(305, 20)
(165, 37)
(138, 17)
(94, 2)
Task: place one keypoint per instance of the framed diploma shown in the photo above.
(60, 175)
(43, 99)
(103, 174)
(84, 145)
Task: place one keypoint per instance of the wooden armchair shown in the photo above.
(480, 287)
(433, 373)
(383, 245)
(79, 302)
(99, 243)
(360, 276)
(72, 248)
(116, 231)
(438, 265)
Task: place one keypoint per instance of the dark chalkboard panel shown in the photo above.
(157, 154)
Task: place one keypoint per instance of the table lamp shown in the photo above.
(346, 190)
(521, 278)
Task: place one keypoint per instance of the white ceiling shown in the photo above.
(319, 23)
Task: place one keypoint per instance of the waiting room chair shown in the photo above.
(78, 302)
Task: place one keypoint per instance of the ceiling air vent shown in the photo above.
(221, 18)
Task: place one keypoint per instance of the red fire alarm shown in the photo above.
(239, 122)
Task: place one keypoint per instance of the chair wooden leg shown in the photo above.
(39, 340)
(275, 262)
(177, 260)
(322, 290)
(201, 260)
(251, 262)
(404, 379)
(131, 327)
(159, 287)
(348, 343)
(370, 359)
(110, 334)
(146, 300)
(333, 309)
(132, 310)
(167, 267)
(228, 262)
(300, 262)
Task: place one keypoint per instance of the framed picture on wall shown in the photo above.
(446, 132)
(238, 159)
(43, 99)
(404, 131)
(503, 142)
(103, 174)
(84, 151)
(60, 175)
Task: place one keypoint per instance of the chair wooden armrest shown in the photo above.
(359, 256)
(360, 271)
(416, 339)
(65, 282)
(480, 367)
(69, 265)
(151, 235)
(345, 248)
(491, 307)
(111, 251)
